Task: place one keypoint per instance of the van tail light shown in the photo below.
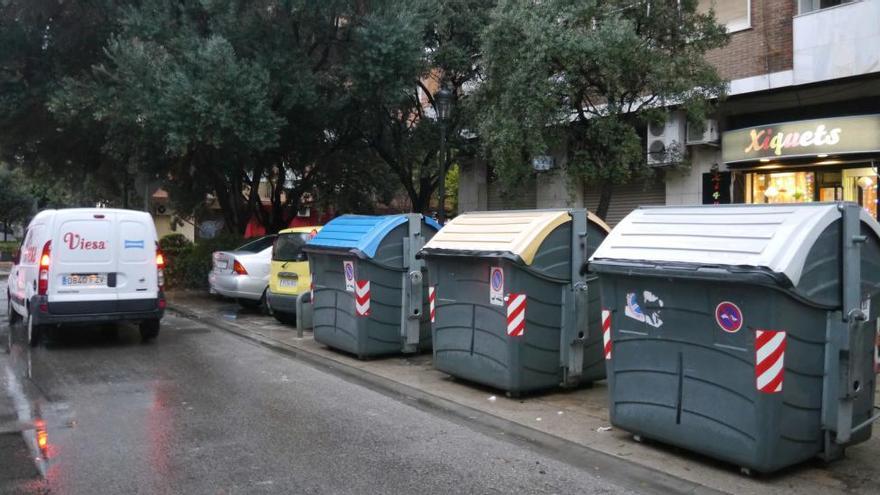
(45, 260)
(238, 268)
(160, 268)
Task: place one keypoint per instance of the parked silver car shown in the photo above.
(243, 274)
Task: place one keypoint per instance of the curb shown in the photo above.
(628, 474)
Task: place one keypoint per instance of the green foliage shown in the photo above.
(7, 249)
(44, 41)
(587, 76)
(16, 204)
(405, 51)
(188, 264)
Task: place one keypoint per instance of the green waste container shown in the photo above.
(743, 332)
(511, 304)
(368, 290)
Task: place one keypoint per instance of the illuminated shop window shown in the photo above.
(783, 187)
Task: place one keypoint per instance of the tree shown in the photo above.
(405, 51)
(224, 97)
(16, 205)
(42, 42)
(587, 76)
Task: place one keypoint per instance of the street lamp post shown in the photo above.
(443, 103)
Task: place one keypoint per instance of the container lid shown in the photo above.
(518, 233)
(362, 233)
(774, 237)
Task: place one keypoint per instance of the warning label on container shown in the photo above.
(348, 269)
(496, 286)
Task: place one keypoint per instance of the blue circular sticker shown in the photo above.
(729, 317)
(497, 279)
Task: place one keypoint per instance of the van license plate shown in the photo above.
(287, 282)
(84, 280)
(222, 264)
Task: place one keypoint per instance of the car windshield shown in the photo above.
(258, 245)
(288, 247)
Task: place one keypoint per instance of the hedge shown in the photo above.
(186, 264)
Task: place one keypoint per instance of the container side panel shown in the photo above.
(682, 373)
(820, 279)
(469, 334)
(380, 332)
(553, 257)
(335, 323)
(390, 250)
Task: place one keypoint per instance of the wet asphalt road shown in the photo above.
(202, 411)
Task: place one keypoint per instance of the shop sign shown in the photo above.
(839, 135)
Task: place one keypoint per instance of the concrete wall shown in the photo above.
(163, 227)
(685, 187)
(472, 190)
(555, 190)
(837, 42)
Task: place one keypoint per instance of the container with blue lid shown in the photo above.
(369, 295)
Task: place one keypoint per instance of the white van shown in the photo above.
(87, 265)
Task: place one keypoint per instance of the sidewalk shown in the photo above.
(578, 416)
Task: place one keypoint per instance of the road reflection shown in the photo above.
(27, 404)
(47, 401)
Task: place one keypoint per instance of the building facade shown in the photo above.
(801, 122)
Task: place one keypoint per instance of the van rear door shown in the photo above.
(136, 270)
(83, 262)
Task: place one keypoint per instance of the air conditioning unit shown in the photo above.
(705, 132)
(666, 140)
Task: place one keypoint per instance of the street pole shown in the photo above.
(441, 215)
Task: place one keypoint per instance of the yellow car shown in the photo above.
(289, 275)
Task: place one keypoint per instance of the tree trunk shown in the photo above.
(604, 200)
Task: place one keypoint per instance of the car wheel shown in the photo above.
(11, 315)
(149, 329)
(34, 331)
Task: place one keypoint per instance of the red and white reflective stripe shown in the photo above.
(769, 360)
(516, 314)
(431, 299)
(606, 332)
(362, 297)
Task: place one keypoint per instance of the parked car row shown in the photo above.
(266, 273)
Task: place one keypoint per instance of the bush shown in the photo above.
(188, 264)
(175, 248)
(7, 248)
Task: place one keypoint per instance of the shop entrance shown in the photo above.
(808, 183)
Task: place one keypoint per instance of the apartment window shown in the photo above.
(811, 5)
(734, 14)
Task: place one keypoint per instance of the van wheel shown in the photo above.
(34, 331)
(11, 315)
(149, 329)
